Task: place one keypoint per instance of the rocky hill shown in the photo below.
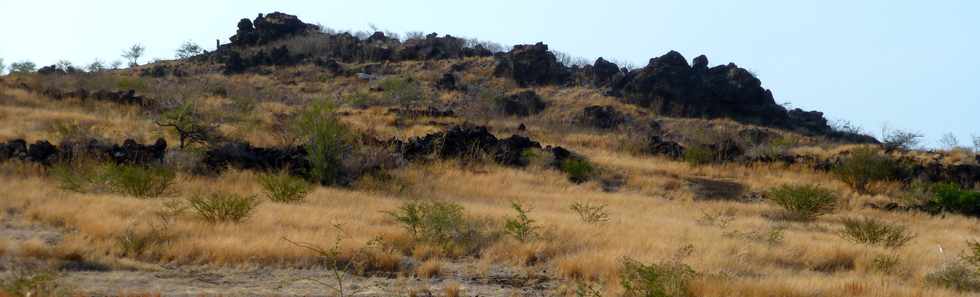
(296, 160)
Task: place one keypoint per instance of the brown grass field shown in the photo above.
(737, 248)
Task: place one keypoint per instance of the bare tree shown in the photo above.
(2, 66)
(65, 65)
(976, 143)
(189, 49)
(96, 66)
(899, 139)
(115, 64)
(133, 54)
(949, 141)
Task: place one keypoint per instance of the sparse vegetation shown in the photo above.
(875, 232)
(803, 202)
(698, 155)
(133, 54)
(670, 279)
(900, 139)
(864, 166)
(431, 221)
(223, 207)
(132, 180)
(578, 170)
(140, 181)
(952, 198)
(284, 188)
(22, 67)
(521, 227)
(188, 49)
(21, 282)
(327, 139)
(190, 126)
(591, 213)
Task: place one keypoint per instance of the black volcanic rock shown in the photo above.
(521, 104)
(603, 117)
(268, 28)
(531, 65)
(670, 86)
(605, 72)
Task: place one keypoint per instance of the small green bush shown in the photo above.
(77, 176)
(223, 207)
(404, 91)
(803, 202)
(655, 280)
(866, 165)
(284, 188)
(521, 227)
(956, 276)
(972, 255)
(433, 221)
(140, 181)
(698, 155)
(885, 263)
(874, 232)
(327, 139)
(578, 170)
(950, 197)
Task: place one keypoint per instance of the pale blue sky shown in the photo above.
(911, 64)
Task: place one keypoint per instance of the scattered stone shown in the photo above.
(714, 190)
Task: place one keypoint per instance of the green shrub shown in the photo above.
(521, 227)
(803, 202)
(874, 232)
(972, 255)
(956, 276)
(433, 221)
(139, 181)
(21, 282)
(655, 280)
(950, 197)
(866, 165)
(223, 207)
(404, 91)
(578, 170)
(589, 213)
(885, 263)
(77, 176)
(698, 155)
(284, 188)
(327, 139)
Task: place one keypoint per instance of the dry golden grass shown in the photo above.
(653, 217)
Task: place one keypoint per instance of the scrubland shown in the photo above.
(735, 242)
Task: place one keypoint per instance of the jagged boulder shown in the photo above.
(658, 146)
(13, 150)
(603, 117)
(531, 65)
(670, 86)
(446, 82)
(245, 156)
(522, 104)
(268, 28)
(464, 141)
(330, 65)
(604, 73)
(433, 47)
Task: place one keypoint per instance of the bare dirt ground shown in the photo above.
(95, 279)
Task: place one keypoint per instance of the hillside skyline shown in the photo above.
(798, 60)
